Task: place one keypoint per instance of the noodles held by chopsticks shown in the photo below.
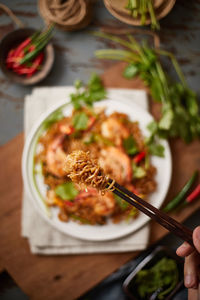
(84, 170)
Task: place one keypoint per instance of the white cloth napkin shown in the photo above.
(43, 238)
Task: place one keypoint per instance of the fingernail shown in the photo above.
(188, 280)
(184, 245)
(198, 234)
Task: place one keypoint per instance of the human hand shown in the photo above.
(192, 262)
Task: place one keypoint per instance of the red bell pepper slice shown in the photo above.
(139, 157)
(66, 129)
(91, 122)
(69, 203)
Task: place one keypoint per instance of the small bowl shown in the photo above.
(11, 40)
(117, 9)
(130, 286)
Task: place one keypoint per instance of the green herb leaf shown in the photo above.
(152, 126)
(80, 219)
(80, 121)
(156, 149)
(138, 172)
(165, 122)
(133, 212)
(122, 203)
(87, 95)
(66, 191)
(130, 71)
(89, 139)
(102, 140)
(54, 117)
(78, 84)
(156, 89)
(94, 83)
(130, 145)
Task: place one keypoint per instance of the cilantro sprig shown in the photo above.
(80, 121)
(86, 95)
(54, 117)
(180, 111)
(130, 145)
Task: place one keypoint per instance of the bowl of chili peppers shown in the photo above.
(26, 55)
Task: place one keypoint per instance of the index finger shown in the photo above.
(184, 250)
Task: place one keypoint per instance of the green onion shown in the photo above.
(142, 8)
(181, 195)
(40, 43)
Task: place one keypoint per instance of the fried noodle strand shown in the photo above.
(85, 171)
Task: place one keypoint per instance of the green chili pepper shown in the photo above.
(181, 195)
(30, 56)
(39, 44)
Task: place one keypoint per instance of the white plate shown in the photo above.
(97, 232)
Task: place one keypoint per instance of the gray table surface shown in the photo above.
(75, 53)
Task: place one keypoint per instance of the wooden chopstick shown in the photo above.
(160, 217)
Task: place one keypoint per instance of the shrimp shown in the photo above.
(104, 205)
(56, 157)
(116, 163)
(101, 205)
(51, 198)
(113, 129)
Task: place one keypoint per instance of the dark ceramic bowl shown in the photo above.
(130, 285)
(11, 40)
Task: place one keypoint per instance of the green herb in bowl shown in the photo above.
(140, 8)
(163, 277)
(158, 276)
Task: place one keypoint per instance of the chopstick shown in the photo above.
(160, 217)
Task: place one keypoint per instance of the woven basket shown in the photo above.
(68, 16)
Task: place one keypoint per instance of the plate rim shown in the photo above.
(27, 147)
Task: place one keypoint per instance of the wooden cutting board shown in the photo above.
(68, 276)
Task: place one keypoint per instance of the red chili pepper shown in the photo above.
(69, 203)
(66, 129)
(23, 70)
(22, 46)
(85, 194)
(16, 65)
(139, 157)
(36, 63)
(9, 59)
(133, 189)
(38, 60)
(91, 121)
(31, 48)
(13, 61)
(195, 193)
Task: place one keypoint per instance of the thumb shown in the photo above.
(196, 238)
